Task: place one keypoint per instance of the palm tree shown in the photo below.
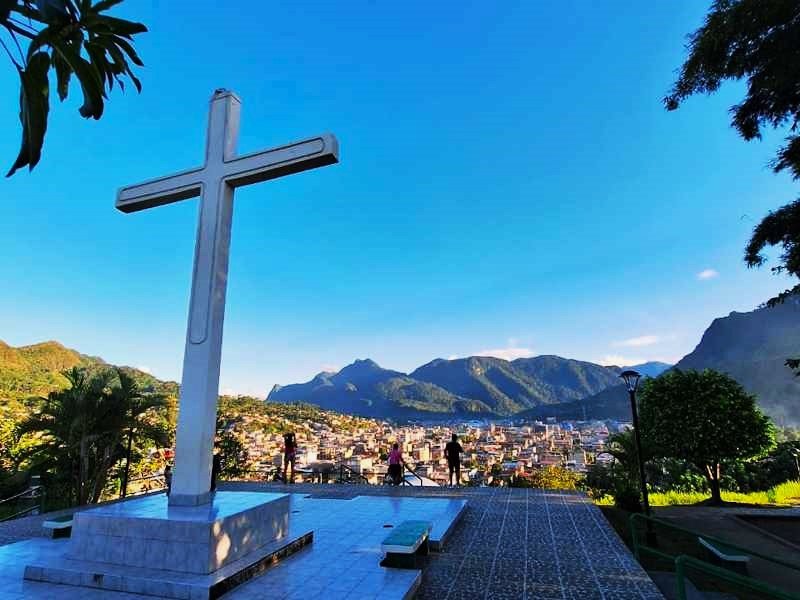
(81, 429)
(622, 446)
(139, 409)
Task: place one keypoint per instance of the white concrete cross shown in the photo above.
(214, 182)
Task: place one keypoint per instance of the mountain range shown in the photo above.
(35, 370)
(751, 347)
(476, 386)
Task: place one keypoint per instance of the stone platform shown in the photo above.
(506, 543)
(145, 546)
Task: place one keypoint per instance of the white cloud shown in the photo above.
(509, 353)
(638, 342)
(706, 274)
(144, 369)
(619, 360)
(328, 368)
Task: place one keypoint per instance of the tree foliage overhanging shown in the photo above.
(68, 37)
(757, 41)
(779, 228)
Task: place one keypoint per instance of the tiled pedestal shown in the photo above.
(148, 547)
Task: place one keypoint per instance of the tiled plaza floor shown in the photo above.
(509, 543)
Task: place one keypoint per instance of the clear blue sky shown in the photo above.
(509, 183)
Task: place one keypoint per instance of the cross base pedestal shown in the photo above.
(146, 546)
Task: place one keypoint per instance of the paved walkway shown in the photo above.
(509, 543)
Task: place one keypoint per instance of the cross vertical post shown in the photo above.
(201, 360)
(214, 182)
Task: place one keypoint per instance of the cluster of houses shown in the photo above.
(492, 452)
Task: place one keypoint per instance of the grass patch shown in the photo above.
(785, 494)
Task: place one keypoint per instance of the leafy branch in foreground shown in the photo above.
(779, 228)
(755, 41)
(68, 37)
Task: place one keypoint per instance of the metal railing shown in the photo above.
(158, 479)
(682, 561)
(34, 493)
(684, 564)
(347, 475)
(406, 481)
(639, 546)
(403, 480)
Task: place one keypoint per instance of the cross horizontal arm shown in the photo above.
(163, 190)
(285, 160)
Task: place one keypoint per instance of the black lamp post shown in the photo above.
(631, 379)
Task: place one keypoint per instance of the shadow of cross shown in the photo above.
(214, 182)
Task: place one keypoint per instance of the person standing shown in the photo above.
(396, 463)
(216, 469)
(168, 478)
(452, 452)
(289, 454)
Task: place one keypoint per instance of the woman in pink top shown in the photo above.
(395, 465)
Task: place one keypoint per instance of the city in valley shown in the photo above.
(343, 448)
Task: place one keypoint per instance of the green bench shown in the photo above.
(405, 544)
(58, 527)
(725, 556)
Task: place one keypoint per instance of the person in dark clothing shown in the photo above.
(289, 455)
(452, 452)
(216, 468)
(168, 478)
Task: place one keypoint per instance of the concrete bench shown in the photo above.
(405, 544)
(725, 556)
(58, 527)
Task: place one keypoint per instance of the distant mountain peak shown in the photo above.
(752, 347)
(652, 368)
(361, 365)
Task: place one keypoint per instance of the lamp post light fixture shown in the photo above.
(631, 379)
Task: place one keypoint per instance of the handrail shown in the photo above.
(343, 467)
(33, 492)
(21, 513)
(405, 481)
(33, 488)
(638, 546)
(145, 478)
(683, 561)
(162, 484)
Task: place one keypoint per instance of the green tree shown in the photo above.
(142, 419)
(80, 431)
(754, 40)
(68, 37)
(234, 457)
(620, 479)
(705, 418)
